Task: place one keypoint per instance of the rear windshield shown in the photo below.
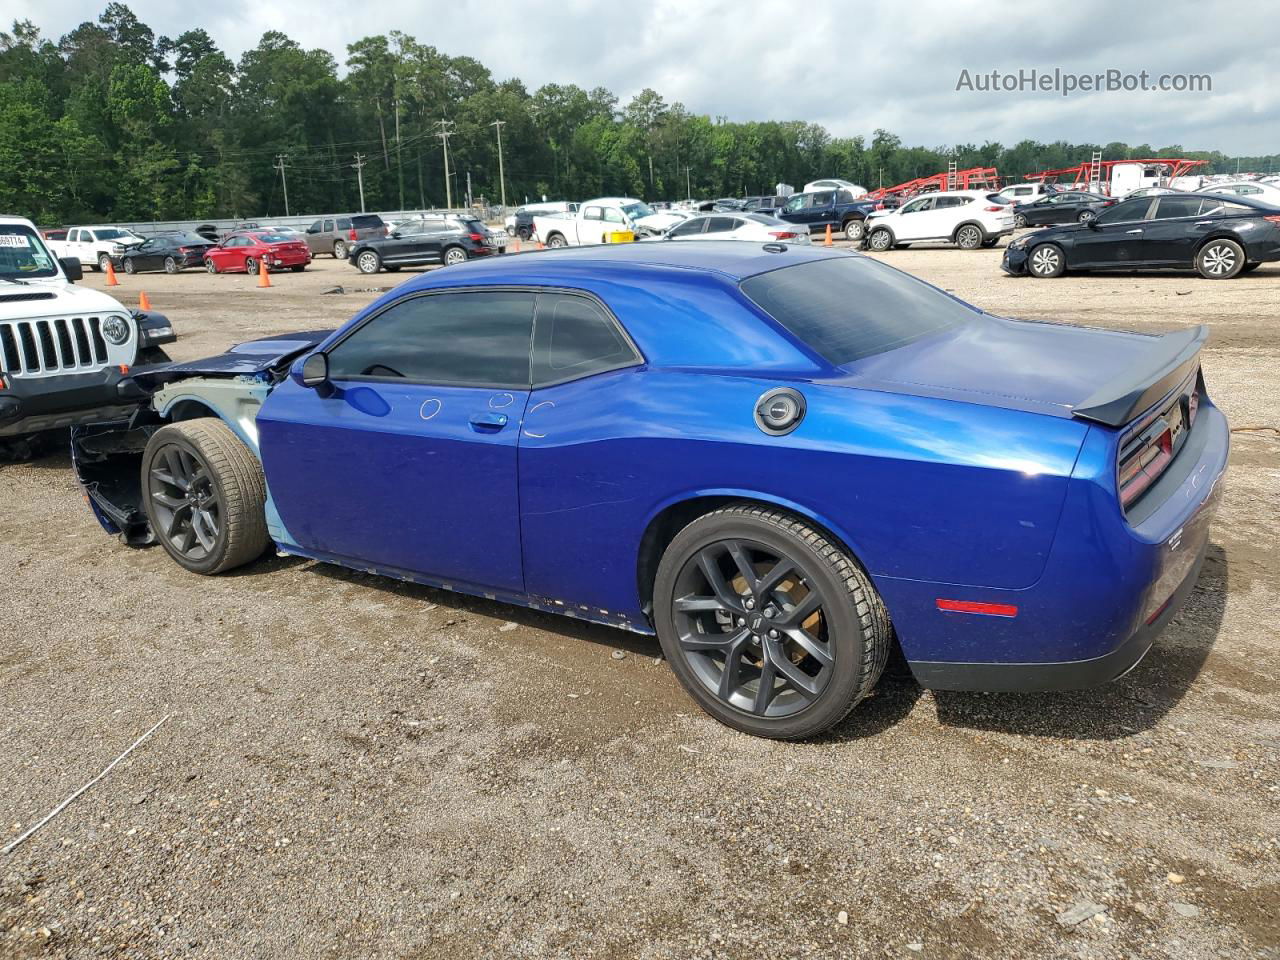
(366, 221)
(276, 238)
(847, 308)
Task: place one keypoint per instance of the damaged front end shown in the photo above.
(107, 456)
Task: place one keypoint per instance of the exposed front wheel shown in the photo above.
(210, 266)
(1019, 220)
(880, 239)
(368, 262)
(204, 495)
(1046, 261)
(969, 237)
(1220, 260)
(854, 229)
(770, 626)
(129, 266)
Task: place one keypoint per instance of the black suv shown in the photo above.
(420, 242)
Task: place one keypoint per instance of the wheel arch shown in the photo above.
(676, 513)
(1222, 233)
(955, 234)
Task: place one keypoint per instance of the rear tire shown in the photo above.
(250, 265)
(1046, 261)
(204, 494)
(339, 250)
(809, 624)
(454, 256)
(1085, 216)
(1019, 220)
(103, 262)
(170, 265)
(555, 241)
(968, 237)
(1220, 259)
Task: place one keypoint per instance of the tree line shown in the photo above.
(112, 122)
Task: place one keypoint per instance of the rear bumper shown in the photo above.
(1108, 589)
(29, 405)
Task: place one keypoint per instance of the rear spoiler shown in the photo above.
(1172, 359)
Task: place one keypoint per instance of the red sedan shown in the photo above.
(243, 252)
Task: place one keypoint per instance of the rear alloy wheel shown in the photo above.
(170, 265)
(769, 626)
(204, 495)
(250, 265)
(339, 250)
(881, 239)
(454, 256)
(1046, 261)
(368, 262)
(1019, 220)
(853, 230)
(556, 241)
(1085, 216)
(210, 266)
(1220, 260)
(969, 237)
(129, 266)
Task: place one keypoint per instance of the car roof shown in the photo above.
(730, 259)
(1236, 198)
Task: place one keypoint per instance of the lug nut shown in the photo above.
(751, 604)
(769, 613)
(773, 634)
(742, 622)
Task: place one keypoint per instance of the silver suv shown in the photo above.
(337, 235)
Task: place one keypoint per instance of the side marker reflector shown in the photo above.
(970, 606)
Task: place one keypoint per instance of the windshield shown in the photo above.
(23, 255)
(848, 308)
(637, 211)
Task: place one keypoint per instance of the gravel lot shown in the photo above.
(361, 768)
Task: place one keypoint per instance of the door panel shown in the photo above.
(415, 477)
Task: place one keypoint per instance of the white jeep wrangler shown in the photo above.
(64, 350)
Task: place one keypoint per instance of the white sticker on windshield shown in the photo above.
(14, 240)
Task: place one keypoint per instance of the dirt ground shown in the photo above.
(360, 768)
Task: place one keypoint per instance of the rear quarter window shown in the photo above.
(366, 221)
(847, 308)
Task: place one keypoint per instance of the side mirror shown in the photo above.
(72, 268)
(1093, 223)
(315, 371)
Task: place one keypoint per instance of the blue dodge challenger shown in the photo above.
(781, 460)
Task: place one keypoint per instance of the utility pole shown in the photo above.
(359, 168)
(445, 130)
(399, 162)
(688, 190)
(280, 164)
(502, 177)
(468, 188)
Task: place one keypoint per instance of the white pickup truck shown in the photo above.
(65, 350)
(94, 246)
(597, 219)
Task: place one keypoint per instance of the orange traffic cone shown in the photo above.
(540, 246)
(264, 280)
(517, 243)
(827, 242)
(111, 276)
(144, 302)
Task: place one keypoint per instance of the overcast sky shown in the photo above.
(851, 67)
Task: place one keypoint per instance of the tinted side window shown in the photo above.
(575, 338)
(849, 308)
(366, 221)
(344, 223)
(328, 226)
(472, 339)
(721, 224)
(1168, 208)
(689, 228)
(1126, 211)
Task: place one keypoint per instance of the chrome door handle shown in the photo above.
(1203, 223)
(1133, 231)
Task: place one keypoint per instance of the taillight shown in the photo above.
(478, 237)
(783, 234)
(1275, 219)
(995, 209)
(352, 235)
(184, 249)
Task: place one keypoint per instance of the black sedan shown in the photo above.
(1069, 207)
(1218, 236)
(169, 252)
(421, 242)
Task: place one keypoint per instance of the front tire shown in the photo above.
(854, 230)
(210, 266)
(1046, 261)
(1085, 216)
(204, 494)
(772, 628)
(1019, 220)
(129, 266)
(368, 262)
(250, 265)
(880, 240)
(1220, 259)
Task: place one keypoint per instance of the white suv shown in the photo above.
(967, 218)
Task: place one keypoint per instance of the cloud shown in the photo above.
(850, 67)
